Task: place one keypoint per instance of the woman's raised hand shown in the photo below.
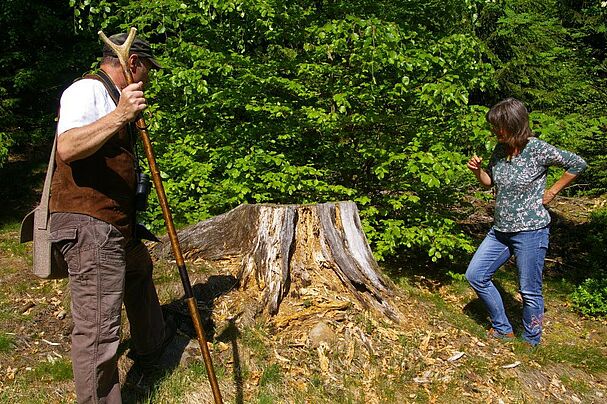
(475, 163)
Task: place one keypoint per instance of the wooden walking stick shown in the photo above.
(122, 52)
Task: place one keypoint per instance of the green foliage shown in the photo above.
(40, 53)
(5, 143)
(590, 298)
(592, 147)
(551, 55)
(306, 101)
(587, 22)
(533, 54)
(583, 134)
(596, 239)
(295, 102)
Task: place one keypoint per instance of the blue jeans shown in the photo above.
(530, 248)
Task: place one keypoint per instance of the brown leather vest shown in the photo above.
(101, 185)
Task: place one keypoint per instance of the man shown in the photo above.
(93, 223)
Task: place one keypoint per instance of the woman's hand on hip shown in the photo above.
(548, 196)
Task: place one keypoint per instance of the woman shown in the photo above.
(517, 169)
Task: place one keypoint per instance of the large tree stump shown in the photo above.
(284, 248)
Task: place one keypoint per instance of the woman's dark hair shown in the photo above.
(511, 116)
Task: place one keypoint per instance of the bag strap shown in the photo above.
(46, 191)
(107, 82)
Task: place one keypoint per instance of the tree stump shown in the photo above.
(282, 249)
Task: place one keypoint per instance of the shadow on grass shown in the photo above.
(475, 310)
(231, 334)
(139, 386)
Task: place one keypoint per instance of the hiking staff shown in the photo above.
(122, 52)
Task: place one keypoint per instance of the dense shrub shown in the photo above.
(296, 102)
(590, 298)
(41, 54)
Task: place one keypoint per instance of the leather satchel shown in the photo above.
(48, 262)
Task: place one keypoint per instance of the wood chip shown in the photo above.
(424, 378)
(322, 358)
(512, 365)
(281, 358)
(423, 346)
(350, 351)
(456, 356)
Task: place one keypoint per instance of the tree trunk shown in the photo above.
(284, 248)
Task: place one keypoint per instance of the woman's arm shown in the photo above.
(571, 162)
(475, 164)
(566, 179)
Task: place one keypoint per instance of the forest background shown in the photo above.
(380, 102)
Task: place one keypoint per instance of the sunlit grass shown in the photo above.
(55, 371)
(585, 357)
(12, 246)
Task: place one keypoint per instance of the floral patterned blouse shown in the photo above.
(520, 183)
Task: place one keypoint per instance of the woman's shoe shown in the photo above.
(494, 334)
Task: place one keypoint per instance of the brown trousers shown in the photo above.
(105, 270)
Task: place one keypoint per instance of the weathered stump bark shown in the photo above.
(284, 248)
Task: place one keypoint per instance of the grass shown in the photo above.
(446, 310)
(10, 226)
(55, 371)
(11, 245)
(7, 342)
(575, 384)
(563, 346)
(273, 387)
(46, 382)
(585, 357)
(270, 384)
(7, 313)
(265, 398)
(24, 392)
(253, 338)
(271, 375)
(180, 383)
(175, 386)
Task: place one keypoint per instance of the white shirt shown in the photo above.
(83, 103)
